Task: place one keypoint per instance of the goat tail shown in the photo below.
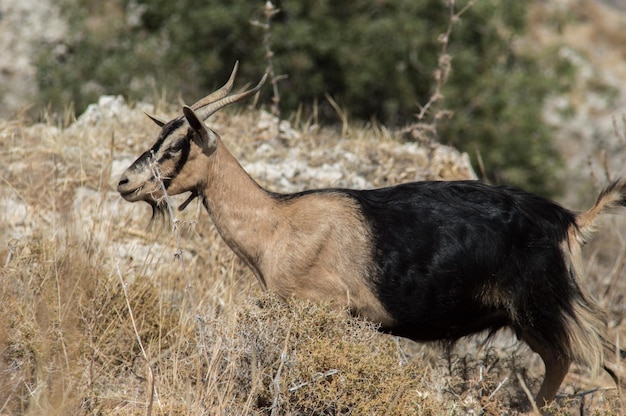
(587, 321)
(611, 198)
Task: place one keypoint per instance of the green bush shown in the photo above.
(376, 59)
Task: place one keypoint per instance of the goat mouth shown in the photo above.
(129, 195)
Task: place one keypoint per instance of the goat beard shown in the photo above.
(160, 214)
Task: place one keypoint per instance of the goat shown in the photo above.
(425, 260)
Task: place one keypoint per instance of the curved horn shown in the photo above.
(211, 108)
(221, 93)
(156, 120)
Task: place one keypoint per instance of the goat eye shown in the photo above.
(175, 149)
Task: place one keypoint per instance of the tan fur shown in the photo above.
(315, 247)
(588, 322)
(609, 199)
(327, 243)
(497, 298)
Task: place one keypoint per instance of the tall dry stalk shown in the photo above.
(269, 10)
(429, 115)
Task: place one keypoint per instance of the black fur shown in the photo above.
(180, 149)
(456, 258)
(166, 131)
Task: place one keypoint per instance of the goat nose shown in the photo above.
(121, 185)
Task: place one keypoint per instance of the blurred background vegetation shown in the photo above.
(374, 58)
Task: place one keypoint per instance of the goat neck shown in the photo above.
(244, 213)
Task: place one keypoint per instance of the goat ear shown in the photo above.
(204, 137)
(157, 121)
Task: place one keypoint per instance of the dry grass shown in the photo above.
(99, 317)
